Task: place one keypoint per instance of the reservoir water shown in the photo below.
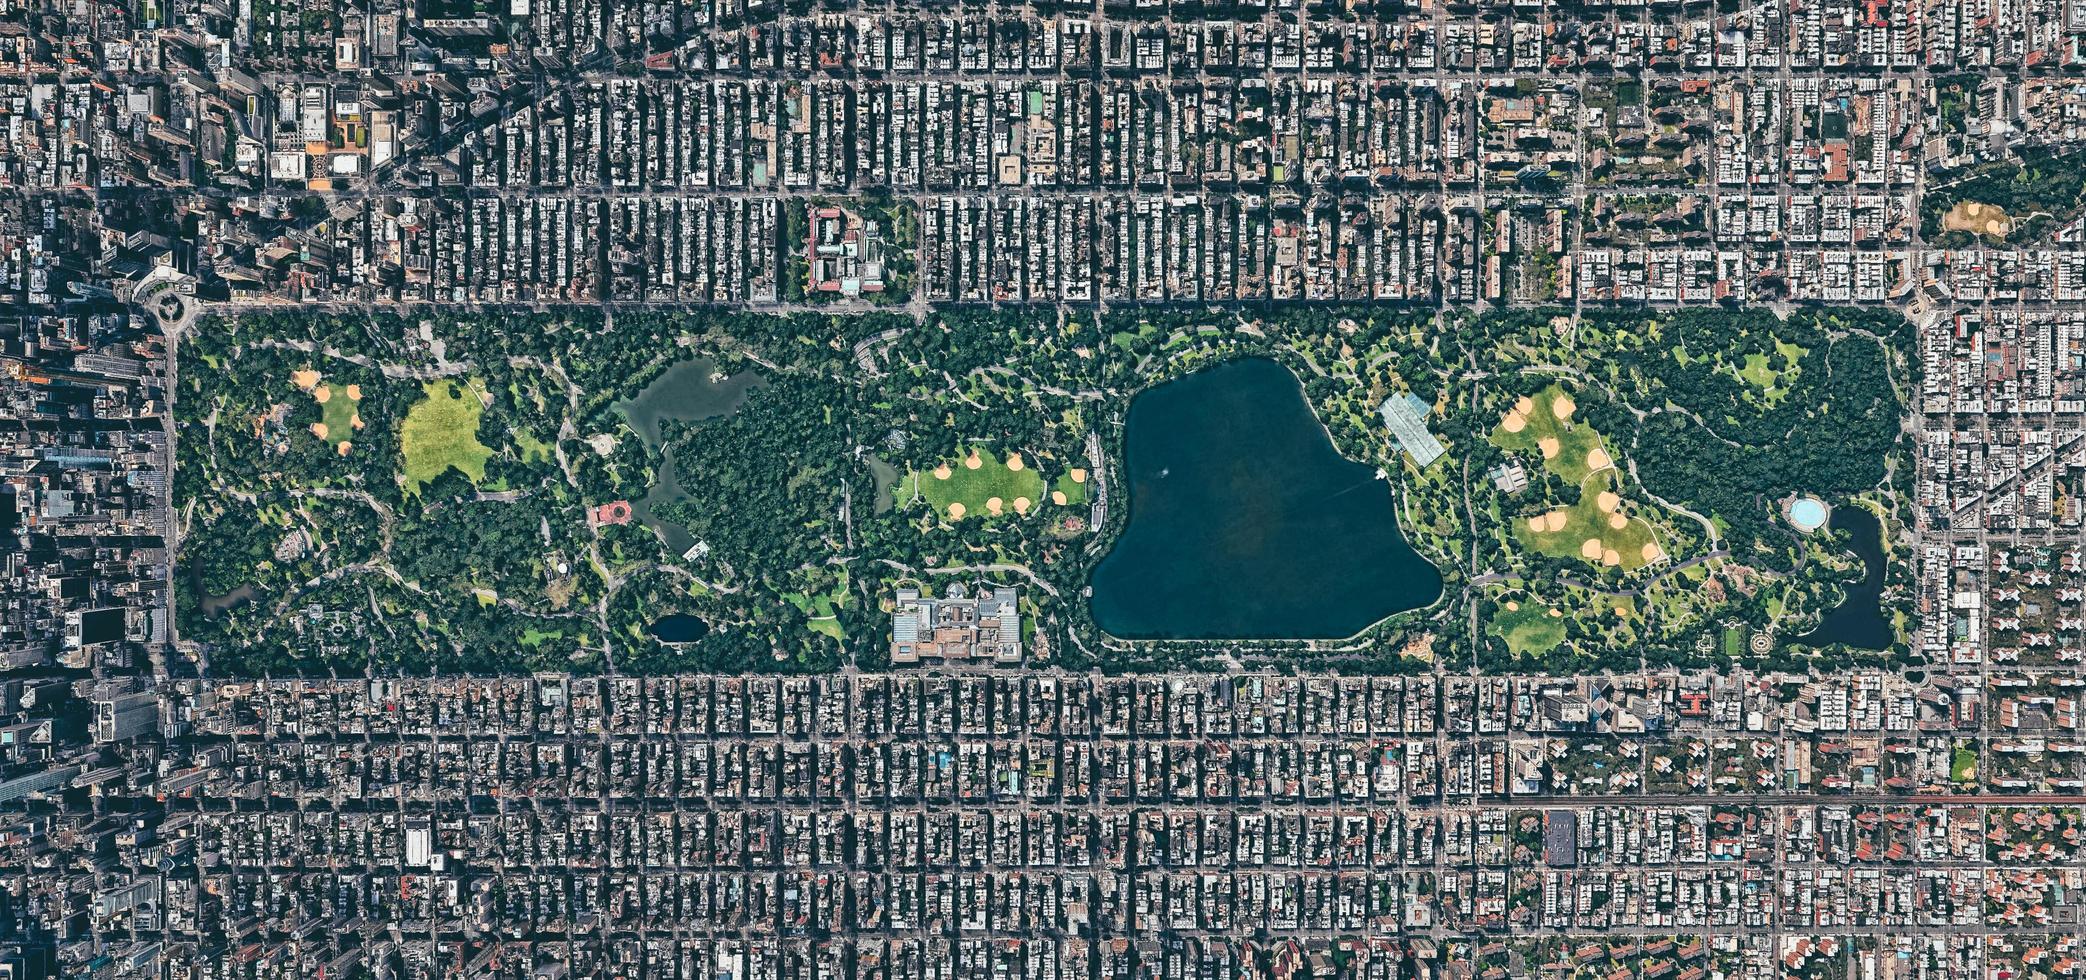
(1245, 522)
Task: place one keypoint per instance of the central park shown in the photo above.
(1166, 488)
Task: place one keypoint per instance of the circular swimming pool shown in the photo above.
(1807, 513)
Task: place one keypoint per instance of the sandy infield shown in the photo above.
(1016, 463)
(1021, 505)
(973, 461)
(1057, 497)
(1607, 501)
(1652, 552)
(1618, 522)
(1513, 606)
(993, 506)
(1514, 422)
(942, 472)
(1078, 475)
(1548, 446)
(1525, 405)
(318, 429)
(1563, 406)
(1592, 549)
(305, 379)
(1598, 460)
(322, 395)
(956, 511)
(354, 393)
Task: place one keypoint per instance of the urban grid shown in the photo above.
(754, 490)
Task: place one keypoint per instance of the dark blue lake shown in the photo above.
(1245, 522)
(1858, 621)
(678, 628)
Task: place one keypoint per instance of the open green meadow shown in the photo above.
(979, 485)
(1529, 626)
(1599, 528)
(1543, 424)
(440, 432)
(1602, 526)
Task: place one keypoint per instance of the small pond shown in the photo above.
(678, 628)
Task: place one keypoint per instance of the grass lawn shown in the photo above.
(1962, 764)
(822, 608)
(533, 637)
(441, 431)
(1544, 424)
(1528, 628)
(1772, 382)
(338, 414)
(1074, 490)
(971, 487)
(532, 448)
(1588, 529)
(1734, 642)
(1568, 448)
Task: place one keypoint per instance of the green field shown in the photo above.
(959, 489)
(822, 608)
(1528, 629)
(1544, 425)
(1633, 545)
(1962, 764)
(1567, 447)
(1074, 490)
(440, 432)
(532, 448)
(1772, 377)
(338, 414)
